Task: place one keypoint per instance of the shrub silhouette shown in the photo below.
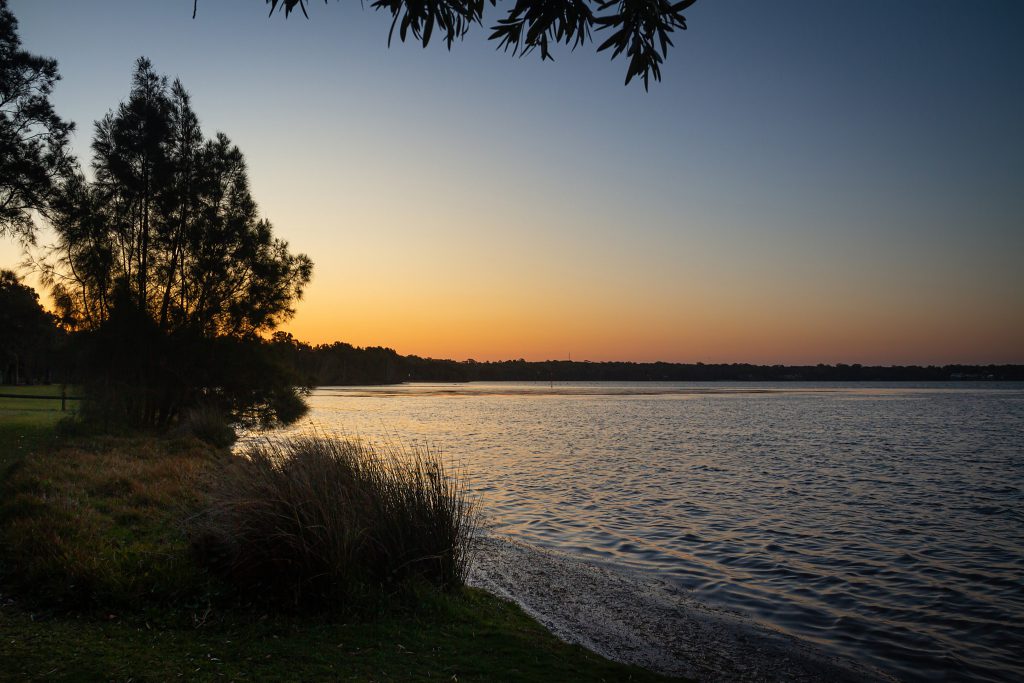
(316, 521)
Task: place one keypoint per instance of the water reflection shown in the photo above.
(883, 521)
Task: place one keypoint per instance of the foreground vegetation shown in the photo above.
(321, 521)
(99, 582)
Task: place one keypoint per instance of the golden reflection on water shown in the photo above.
(883, 520)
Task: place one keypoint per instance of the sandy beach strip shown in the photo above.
(647, 622)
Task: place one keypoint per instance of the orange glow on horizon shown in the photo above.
(755, 206)
(686, 336)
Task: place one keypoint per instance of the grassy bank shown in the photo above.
(27, 424)
(98, 583)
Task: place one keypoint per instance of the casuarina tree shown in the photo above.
(163, 262)
(33, 139)
(640, 29)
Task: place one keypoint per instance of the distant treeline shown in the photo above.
(343, 364)
(56, 358)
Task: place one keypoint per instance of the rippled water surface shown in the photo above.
(885, 522)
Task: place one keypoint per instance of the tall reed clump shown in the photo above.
(317, 521)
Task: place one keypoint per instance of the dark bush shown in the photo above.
(207, 423)
(316, 521)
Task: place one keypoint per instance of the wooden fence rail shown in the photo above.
(63, 398)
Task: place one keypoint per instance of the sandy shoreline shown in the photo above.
(647, 622)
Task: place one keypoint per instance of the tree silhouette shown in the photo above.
(640, 29)
(27, 332)
(33, 139)
(164, 258)
(170, 218)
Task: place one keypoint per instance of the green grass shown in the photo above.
(96, 583)
(96, 523)
(472, 637)
(28, 407)
(24, 431)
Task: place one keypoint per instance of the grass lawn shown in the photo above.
(469, 637)
(96, 583)
(14, 406)
(27, 425)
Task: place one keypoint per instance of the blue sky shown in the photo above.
(811, 182)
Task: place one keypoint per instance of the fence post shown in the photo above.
(63, 397)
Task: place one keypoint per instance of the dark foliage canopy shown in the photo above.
(27, 332)
(164, 264)
(169, 225)
(640, 29)
(33, 139)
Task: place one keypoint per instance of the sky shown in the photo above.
(812, 182)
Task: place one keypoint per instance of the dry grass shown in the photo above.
(317, 521)
(98, 522)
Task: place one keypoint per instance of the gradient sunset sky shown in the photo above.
(812, 181)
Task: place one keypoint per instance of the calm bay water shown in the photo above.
(884, 522)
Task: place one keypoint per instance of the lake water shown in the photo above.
(883, 522)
